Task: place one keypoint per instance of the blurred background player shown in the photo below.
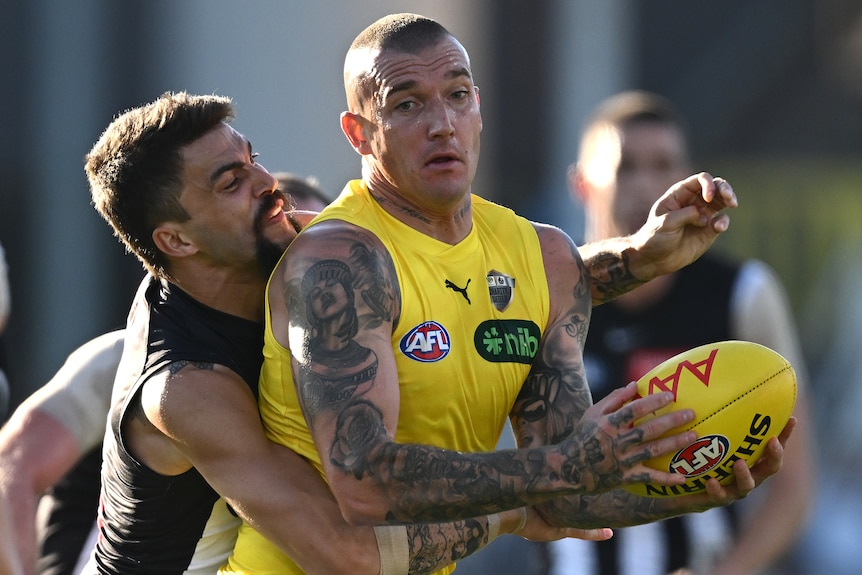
(304, 191)
(5, 304)
(831, 324)
(632, 148)
(50, 457)
(10, 563)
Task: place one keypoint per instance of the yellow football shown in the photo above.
(742, 394)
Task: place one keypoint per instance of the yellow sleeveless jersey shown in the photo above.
(472, 317)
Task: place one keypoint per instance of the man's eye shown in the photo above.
(254, 157)
(405, 106)
(460, 94)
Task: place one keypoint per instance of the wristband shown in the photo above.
(493, 526)
(523, 512)
(393, 549)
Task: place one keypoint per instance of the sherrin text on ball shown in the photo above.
(742, 394)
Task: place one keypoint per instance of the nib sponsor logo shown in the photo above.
(509, 340)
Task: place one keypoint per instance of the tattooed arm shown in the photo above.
(433, 546)
(340, 338)
(555, 402)
(682, 225)
(280, 494)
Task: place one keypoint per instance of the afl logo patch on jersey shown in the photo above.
(704, 454)
(427, 342)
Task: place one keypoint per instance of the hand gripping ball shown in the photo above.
(742, 394)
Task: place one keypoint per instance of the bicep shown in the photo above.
(341, 296)
(555, 394)
(211, 419)
(223, 438)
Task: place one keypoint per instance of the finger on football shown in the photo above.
(656, 427)
(618, 397)
(785, 434)
(644, 474)
(653, 402)
(770, 463)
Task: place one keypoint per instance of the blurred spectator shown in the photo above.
(50, 456)
(633, 148)
(832, 335)
(5, 305)
(10, 563)
(305, 192)
(5, 300)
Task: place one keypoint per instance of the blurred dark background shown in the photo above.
(772, 91)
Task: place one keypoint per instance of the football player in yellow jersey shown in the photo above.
(184, 191)
(415, 317)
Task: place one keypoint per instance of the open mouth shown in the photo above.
(442, 160)
(277, 209)
(270, 210)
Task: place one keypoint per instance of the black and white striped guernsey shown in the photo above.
(148, 522)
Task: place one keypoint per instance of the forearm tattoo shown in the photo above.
(610, 276)
(430, 484)
(435, 545)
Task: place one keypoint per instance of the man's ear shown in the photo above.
(173, 242)
(351, 125)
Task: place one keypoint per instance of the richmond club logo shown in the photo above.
(501, 288)
(704, 454)
(427, 342)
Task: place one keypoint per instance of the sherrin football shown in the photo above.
(742, 394)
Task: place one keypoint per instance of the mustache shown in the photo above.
(267, 203)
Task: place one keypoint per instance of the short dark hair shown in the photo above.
(408, 33)
(632, 107)
(300, 186)
(135, 167)
(403, 32)
(635, 106)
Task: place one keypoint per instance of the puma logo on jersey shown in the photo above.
(462, 291)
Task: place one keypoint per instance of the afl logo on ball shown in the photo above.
(427, 342)
(701, 456)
